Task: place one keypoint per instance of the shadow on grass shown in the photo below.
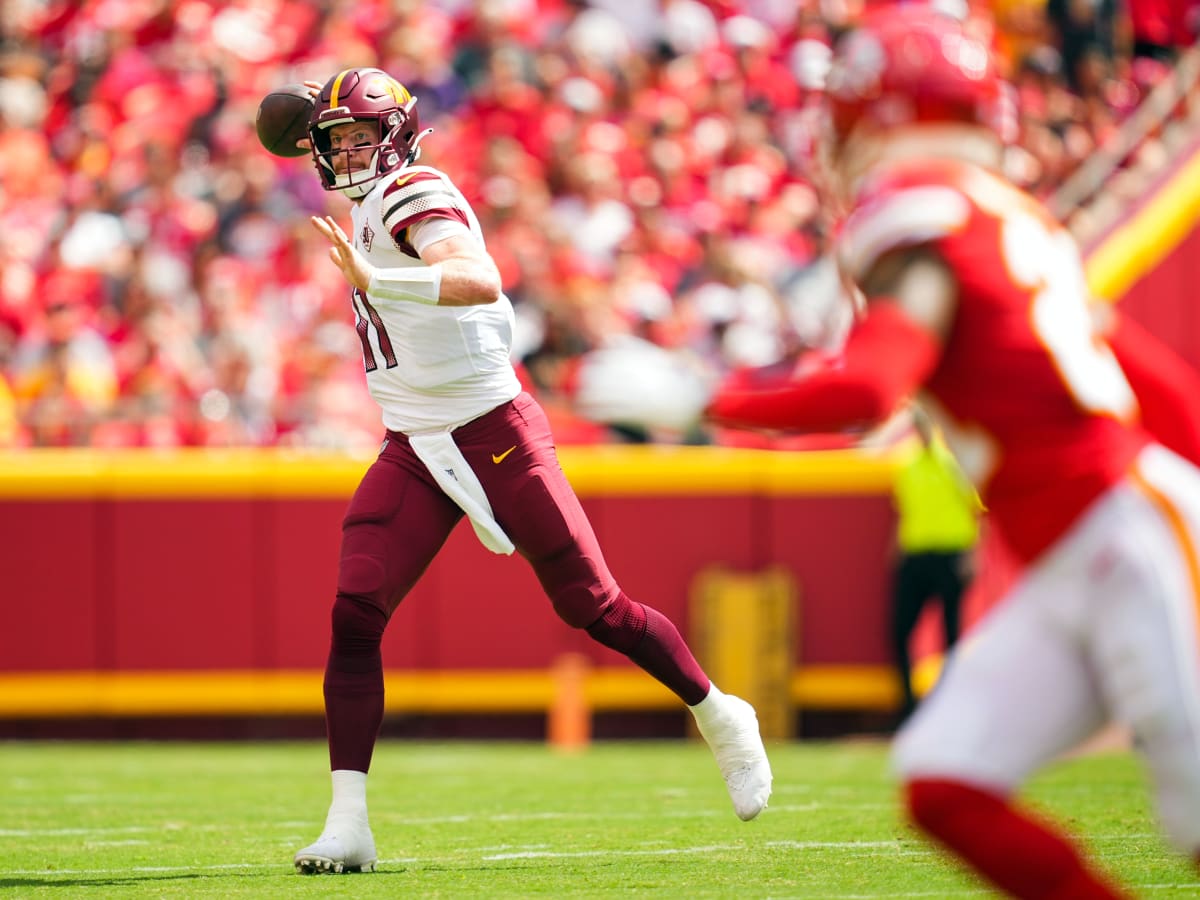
(99, 881)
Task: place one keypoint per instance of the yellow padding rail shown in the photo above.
(604, 471)
(1149, 236)
(32, 695)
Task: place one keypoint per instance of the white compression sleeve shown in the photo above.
(418, 284)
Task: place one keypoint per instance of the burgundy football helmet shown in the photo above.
(364, 95)
(912, 64)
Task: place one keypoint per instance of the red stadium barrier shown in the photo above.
(191, 582)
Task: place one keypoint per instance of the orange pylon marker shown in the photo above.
(570, 718)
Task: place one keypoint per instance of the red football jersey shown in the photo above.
(1031, 399)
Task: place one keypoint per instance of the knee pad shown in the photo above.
(578, 605)
(357, 626)
(579, 592)
(361, 571)
(360, 575)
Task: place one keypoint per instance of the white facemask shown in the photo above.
(363, 182)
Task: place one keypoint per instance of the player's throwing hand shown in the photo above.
(355, 269)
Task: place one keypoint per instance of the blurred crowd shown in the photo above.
(642, 171)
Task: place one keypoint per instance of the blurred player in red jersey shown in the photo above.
(462, 438)
(976, 298)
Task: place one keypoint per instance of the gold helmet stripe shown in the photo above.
(337, 86)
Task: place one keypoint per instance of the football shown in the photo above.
(282, 119)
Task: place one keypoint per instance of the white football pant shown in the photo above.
(1103, 628)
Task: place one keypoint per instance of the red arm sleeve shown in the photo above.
(1167, 388)
(886, 358)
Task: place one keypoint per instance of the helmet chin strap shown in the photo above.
(357, 191)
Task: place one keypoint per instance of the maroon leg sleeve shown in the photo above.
(395, 524)
(354, 684)
(652, 641)
(1023, 857)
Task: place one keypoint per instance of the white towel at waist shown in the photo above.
(455, 476)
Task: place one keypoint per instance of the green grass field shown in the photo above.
(514, 820)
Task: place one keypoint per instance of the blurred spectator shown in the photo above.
(1161, 27)
(591, 210)
(65, 379)
(1085, 31)
(11, 434)
(642, 170)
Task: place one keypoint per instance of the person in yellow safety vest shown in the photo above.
(938, 525)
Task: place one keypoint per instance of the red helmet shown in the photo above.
(907, 64)
(364, 95)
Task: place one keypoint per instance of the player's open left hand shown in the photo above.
(355, 269)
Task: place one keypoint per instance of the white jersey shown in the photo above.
(430, 368)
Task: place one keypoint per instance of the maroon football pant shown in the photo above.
(399, 518)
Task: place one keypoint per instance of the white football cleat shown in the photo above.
(732, 735)
(346, 845)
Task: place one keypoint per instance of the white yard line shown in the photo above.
(676, 851)
(69, 832)
(465, 818)
(797, 845)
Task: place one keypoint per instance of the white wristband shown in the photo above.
(418, 284)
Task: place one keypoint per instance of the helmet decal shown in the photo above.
(366, 95)
(398, 91)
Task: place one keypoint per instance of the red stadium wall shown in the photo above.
(1163, 300)
(186, 564)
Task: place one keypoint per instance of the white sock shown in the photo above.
(349, 792)
(707, 709)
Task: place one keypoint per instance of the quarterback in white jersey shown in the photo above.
(456, 364)
(462, 439)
